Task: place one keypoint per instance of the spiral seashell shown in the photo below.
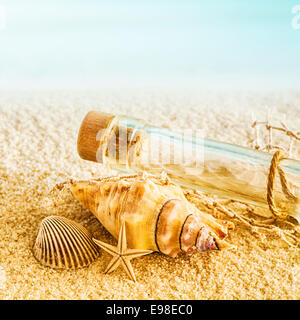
(62, 243)
(158, 216)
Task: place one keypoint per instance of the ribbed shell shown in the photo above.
(62, 243)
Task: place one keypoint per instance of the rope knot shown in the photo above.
(274, 167)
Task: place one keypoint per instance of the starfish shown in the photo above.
(121, 254)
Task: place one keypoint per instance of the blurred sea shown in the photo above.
(96, 43)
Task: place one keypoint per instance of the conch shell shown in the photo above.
(158, 217)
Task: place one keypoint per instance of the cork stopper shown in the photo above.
(89, 136)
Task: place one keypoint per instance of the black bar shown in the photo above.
(149, 309)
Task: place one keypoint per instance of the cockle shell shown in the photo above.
(62, 243)
(158, 217)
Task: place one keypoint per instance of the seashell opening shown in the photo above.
(62, 243)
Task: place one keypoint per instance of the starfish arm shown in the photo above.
(122, 243)
(128, 268)
(135, 253)
(107, 247)
(121, 254)
(113, 265)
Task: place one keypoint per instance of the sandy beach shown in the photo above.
(38, 132)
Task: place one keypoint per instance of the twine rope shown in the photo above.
(274, 167)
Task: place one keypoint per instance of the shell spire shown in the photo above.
(158, 216)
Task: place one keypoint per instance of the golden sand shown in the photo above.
(38, 134)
